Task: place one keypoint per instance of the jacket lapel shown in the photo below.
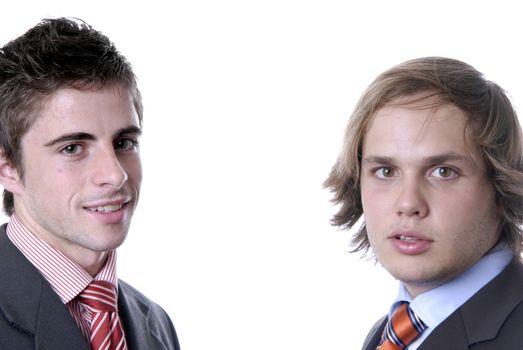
(374, 336)
(449, 335)
(31, 307)
(56, 328)
(134, 315)
(486, 313)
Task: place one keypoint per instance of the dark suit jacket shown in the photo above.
(33, 317)
(492, 319)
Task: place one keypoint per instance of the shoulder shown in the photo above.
(134, 296)
(505, 298)
(491, 319)
(144, 318)
(136, 301)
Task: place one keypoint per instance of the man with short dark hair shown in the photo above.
(433, 162)
(71, 117)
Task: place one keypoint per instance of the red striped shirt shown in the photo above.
(67, 278)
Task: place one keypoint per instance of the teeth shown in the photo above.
(406, 238)
(107, 208)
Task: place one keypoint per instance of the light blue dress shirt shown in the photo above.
(435, 305)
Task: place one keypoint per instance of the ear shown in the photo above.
(9, 177)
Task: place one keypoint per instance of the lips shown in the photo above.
(410, 242)
(107, 206)
(110, 212)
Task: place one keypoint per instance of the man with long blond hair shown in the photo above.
(432, 161)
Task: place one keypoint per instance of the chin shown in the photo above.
(104, 244)
(411, 274)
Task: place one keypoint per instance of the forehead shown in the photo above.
(425, 106)
(70, 107)
(420, 126)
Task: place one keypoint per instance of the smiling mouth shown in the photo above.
(107, 208)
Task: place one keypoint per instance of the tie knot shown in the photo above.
(99, 296)
(404, 319)
(402, 329)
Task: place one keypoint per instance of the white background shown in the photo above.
(245, 107)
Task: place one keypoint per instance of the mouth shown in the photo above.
(109, 208)
(111, 212)
(409, 235)
(407, 238)
(410, 242)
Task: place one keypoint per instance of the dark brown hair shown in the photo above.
(492, 121)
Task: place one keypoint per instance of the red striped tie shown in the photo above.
(403, 328)
(106, 330)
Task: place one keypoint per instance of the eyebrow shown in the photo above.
(81, 136)
(436, 159)
(126, 131)
(74, 136)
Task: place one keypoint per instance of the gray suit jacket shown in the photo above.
(33, 317)
(492, 319)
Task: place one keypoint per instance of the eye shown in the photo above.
(72, 149)
(125, 144)
(384, 172)
(444, 172)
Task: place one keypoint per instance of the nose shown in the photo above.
(107, 170)
(411, 200)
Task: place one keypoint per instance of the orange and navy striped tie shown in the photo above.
(402, 329)
(100, 299)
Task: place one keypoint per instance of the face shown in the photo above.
(428, 207)
(81, 172)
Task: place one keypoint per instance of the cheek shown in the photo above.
(477, 203)
(135, 171)
(62, 176)
(375, 202)
(132, 166)
(474, 217)
(373, 215)
(366, 198)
